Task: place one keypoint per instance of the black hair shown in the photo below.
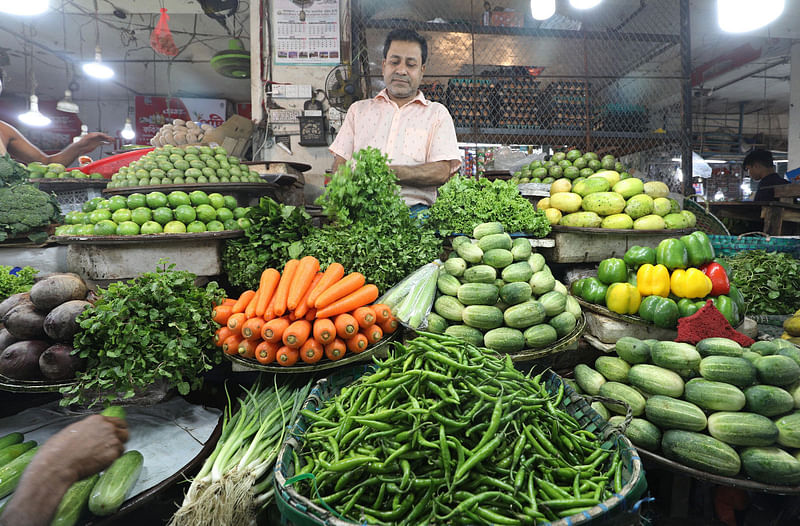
(762, 157)
(406, 35)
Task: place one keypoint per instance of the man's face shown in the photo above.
(403, 69)
(757, 172)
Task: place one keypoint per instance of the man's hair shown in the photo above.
(762, 157)
(406, 35)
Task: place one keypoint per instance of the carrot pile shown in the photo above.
(303, 314)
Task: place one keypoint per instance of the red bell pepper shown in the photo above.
(719, 278)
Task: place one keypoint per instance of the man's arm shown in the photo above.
(428, 174)
(24, 151)
(338, 160)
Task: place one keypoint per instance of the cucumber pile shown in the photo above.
(716, 407)
(495, 292)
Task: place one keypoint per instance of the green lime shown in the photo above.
(181, 164)
(156, 200)
(178, 180)
(595, 165)
(564, 164)
(81, 218)
(127, 228)
(99, 215)
(213, 179)
(220, 150)
(590, 156)
(91, 205)
(239, 212)
(244, 223)
(158, 173)
(208, 172)
(572, 155)
(215, 226)
(231, 224)
(121, 215)
(233, 160)
(202, 180)
(230, 202)
(172, 174)
(580, 163)
(198, 197)
(185, 214)
(191, 180)
(69, 218)
(151, 227)
(178, 198)
(205, 150)
(558, 157)
(206, 213)
(192, 172)
(141, 215)
(144, 181)
(103, 204)
(555, 171)
(196, 226)
(106, 227)
(154, 181)
(162, 215)
(233, 170)
(84, 230)
(216, 200)
(174, 158)
(175, 227)
(223, 214)
(586, 172)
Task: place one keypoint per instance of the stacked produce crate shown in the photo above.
(517, 103)
(470, 102)
(565, 105)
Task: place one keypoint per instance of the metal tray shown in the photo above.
(33, 386)
(68, 184)
(206, 187)
(303, 368)
(300, 167)
(146, 238)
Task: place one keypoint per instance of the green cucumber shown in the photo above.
(10, 439)
(455, 266)
(115, 483)
(480, 274)
(482, 317)
(537, 262)
(519, 271)
(470, 253)
(670, 413)
(771, 465)
(447, 284)
(656, 380)
(7, 454)
(777, 369)
(624, 393)
(633, 350)
(12, 472)
(564, 323)
(729, 369)
(675, 356)
(466, 333)
(458, 241)
(478, 294)
(573, 306)
(764, 348)
(719, 347)
(588, 379)
(791, 352)
(700, 451)
(504, 339)
(642, 433)
(714, 396)
(612, 368)
(74, 501)
(751, 356)
(436, 324)
(601, 410)
(540, 336)
(742, 429)
(524, 315)
(114, 411)
(521, 248)
(498, 258)
(515, 293)
(789, 430)
(493, 241)
(794, 390)
(449, 308)
(768, 400)
(554, 303)
(486, 229)
(542, 282)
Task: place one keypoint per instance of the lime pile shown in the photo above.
(57, 171)
(570, 165)
(189, 165)
(156, 213)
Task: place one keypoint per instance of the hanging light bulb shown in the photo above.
(584, 4)
(26, 8)
(741, 16)
(543, 9)
(96, 68)
(66, 104)
(33, 117)
(127, 132)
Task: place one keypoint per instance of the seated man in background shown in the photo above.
(761, 168)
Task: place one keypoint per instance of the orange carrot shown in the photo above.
(269, 313)
(243, 301)
(373, 333)
(360, 297)
(336, 350)
(247, 348)
(382, 312)
(306, 270)
(236, 321)
(265, 352)
(286, 356)
(221, 335)
(282, 292)
(296, 334)
(229, 301)
(231, 344)
(221, 313)
(303, 307)
(346, 326)
(250, 310)
(324, 331)
(333, 273)
(251, 330)
(357, 343)
(365, 316)
(266, 287)
(350, 283)
(389, 326)
(272, 331)
(311, 315)
(311, 351)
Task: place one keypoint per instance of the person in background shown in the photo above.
(418, 135)
(74, 453)
(761, 168)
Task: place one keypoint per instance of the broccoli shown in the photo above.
(25, 209)
(11, 171)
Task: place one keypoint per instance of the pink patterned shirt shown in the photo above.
(420, 132)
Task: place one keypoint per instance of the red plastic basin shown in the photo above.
(110, 165)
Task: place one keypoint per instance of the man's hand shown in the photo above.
(91, 141)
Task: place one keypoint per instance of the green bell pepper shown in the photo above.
(698, 248)
(632, 278)
(662, 312)
(576, 287)
(612, 270)
(672, 254)
(637, 256)
(728, 308)
(594, 291)
(687, 307)
(738, 298)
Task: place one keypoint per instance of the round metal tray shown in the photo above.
(33, 386)
(206, 187)
(556, 347)
(303, 368)
(146, 238)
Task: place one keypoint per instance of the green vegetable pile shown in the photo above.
(769, 281)
(24, 209)
(157, 327)
(464, 202)
(21, 281)
(372, 231)
(272, 239)
(11, 172)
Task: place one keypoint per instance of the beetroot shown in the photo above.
(57, 362)
(20, 360)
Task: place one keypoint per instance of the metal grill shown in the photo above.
(610, 79)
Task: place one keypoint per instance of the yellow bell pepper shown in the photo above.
(623, 298)
(653, 280)
(690, 283)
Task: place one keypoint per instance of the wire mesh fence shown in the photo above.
(607, 80)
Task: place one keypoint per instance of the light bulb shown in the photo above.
(543, 9)
(127, 132)
(66, 104)
(741, 16)
(584, 4)
(27, 8)
(32, 117)
(96, 68)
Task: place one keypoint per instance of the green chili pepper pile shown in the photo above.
(445, 432)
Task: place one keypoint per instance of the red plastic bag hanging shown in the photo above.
(161, 38)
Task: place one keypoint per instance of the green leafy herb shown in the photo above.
(769, 281)
(156, 327)
(464, 202)
(20, 281)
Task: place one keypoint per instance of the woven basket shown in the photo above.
(706, 221)
(731, 245)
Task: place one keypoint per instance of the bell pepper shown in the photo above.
(612, 270)
(662, 312)
(576, 287)
(690, 283)
(672, 254)
(724, 264)
(719, 278)
(632, 277)
(738, 298)
(698, 248)
(594, 291)
(637, 256)
(687, 307)
(623, 298)
(653, 280)
(727, 307)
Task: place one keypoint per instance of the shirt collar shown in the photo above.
(419, 98)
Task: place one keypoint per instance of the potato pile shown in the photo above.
(180, 132)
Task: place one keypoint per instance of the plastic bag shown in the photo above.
(161, 38)
(507, 159)
(411, 300)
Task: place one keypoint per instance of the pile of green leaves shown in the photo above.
(769, 281)
(464, 202)
(156, 327)
(19, 281)
(371, 231)
(272, 238)
(11, 172)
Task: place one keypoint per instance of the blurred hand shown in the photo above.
(91, 141)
